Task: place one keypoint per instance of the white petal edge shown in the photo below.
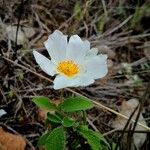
(92, 52)
(56, 46)
(63, 82)
(46, 65)
(84, 80)
(77, 49)
(60, 82)
(97, 66)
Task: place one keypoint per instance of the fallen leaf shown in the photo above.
(42, 114)
(2, 147)
(39, 42)
(106, 50)
(110, 63)
(11, 32)
(126, 108)
(10, 141)
(28, 31)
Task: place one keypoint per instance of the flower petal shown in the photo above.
(83, 80)
(46, 65)
(62, 81)
(56, 46)
(92, 52)
(97, 66)
(77, 49)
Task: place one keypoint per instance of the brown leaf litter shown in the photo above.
(9, 141)
(127, 108)
(42, 113)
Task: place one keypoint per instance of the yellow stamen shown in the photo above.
(68, 68)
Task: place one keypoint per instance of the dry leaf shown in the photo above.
(2, 147)
(106, 50)
(28, 31)
(10, 141)
(110, 63)
(39, 42)
(42, 114)
(127, 107)
(11, 32)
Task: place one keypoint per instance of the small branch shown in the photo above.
(104, 7)
(118, 27)
(97, 104)
(110, 132)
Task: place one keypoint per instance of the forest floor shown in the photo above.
(120, 29)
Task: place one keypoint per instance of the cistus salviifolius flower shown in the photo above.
(72, 61)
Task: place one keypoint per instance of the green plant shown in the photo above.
(74, 64)
(68, 125)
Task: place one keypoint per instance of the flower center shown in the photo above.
(68, 68)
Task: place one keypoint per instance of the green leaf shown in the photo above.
(44, 103)
(73, 104)
(94, 139)
(114, 146)
(54, 118)
(68, 122)
(56, 139)
(42, 139)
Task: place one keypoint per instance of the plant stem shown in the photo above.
(61, 95)
(84, 117)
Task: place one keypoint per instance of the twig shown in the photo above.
(4, 97)
(125, 127)
(136, 131)
(104, 7)
(18, 24)
(110, 132)
(92, 125)
(32, 42)
(69, 19)
(117, 27)
(97, 104)
(134, 64)
(140, 108)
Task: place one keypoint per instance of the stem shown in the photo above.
(84, 117)
(61, 95)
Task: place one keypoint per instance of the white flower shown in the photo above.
(73, 62)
